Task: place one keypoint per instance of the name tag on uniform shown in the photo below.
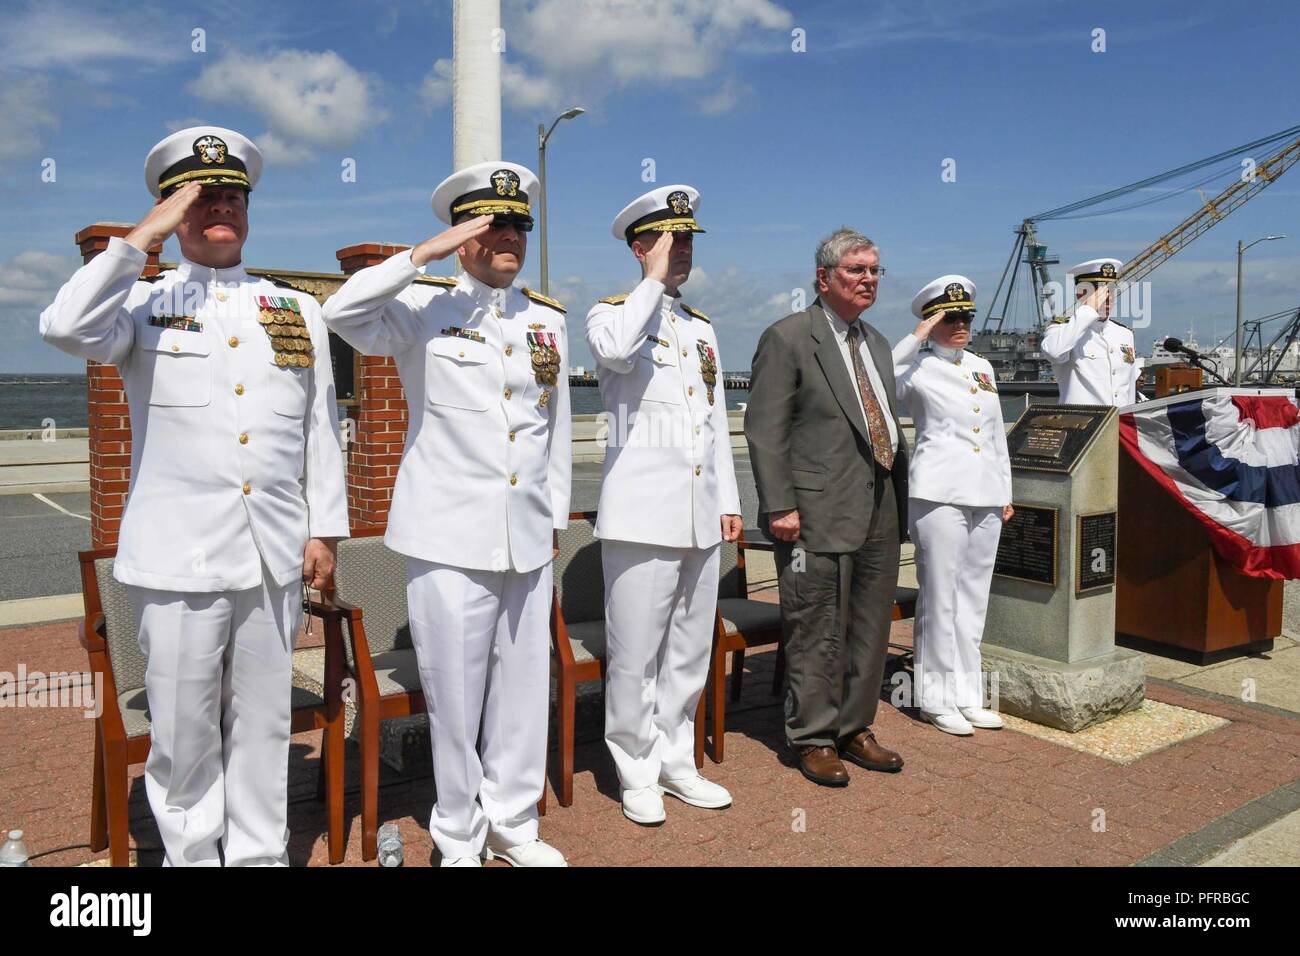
(460, 333)
(184, 323)
(657, 341)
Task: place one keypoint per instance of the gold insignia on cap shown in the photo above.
(210, 149)
(679, 202)
(954, 291)
(1108, 270)
(506, 182)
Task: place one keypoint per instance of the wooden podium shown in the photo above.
(1173, 590)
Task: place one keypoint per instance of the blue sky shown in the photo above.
(784, 146)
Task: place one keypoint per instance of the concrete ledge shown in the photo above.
(1065, 696)
(1223, 833)
(41, 610)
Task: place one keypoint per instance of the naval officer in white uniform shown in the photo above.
(1093, 355)
(668, 498)
(482, 488)
(237, 491)
(959, 485)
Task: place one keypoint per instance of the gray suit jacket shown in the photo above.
(808, 440)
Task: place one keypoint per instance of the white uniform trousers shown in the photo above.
(218, 680)
(483, 641)
(659, 618)
(955, 550)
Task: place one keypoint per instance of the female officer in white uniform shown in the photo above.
(960, 494)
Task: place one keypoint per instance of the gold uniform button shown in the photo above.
(508, 394)
(234, 341)
(461, 354)
(697, 471)
(690, 390)
(977, 449)
(673, 318)
(514, 479)
(243, 439)
(510, 349)
(239, 390)
(974, 390)
(977, 408)
(683, 353)
(176, 348)
(248, 489)
(500, 314)
(512, 436)
(976, 428)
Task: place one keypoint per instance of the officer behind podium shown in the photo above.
(237, 491)
(960, 490)
(1093, 355)
(482, 487)
(668, 498)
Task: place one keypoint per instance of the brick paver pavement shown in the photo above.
(997, 798)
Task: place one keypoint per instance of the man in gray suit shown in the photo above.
(830, 463)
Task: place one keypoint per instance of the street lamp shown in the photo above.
(1241, 250)
(543, 134)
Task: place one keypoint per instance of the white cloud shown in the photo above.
(60, 36)
(309, 100)
(435, 91)
(724, 98)
(520, 89)
(30, 279)
(25, 116)
(622, 43)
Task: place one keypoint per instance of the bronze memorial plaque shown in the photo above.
(1027, 549)
(1054, 437)
(1095, 552)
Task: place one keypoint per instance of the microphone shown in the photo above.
(1176, 345)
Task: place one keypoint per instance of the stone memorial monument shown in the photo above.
(1049, 639)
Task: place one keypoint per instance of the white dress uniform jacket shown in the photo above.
(484, 477)
(1095, 362)
(961, 445)
(668, 473)
(235, 461)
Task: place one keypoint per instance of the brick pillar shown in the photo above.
(380, 418)
(110, 424)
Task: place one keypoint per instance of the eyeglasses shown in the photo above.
(857, 272)
(519, 225)
(952, 318)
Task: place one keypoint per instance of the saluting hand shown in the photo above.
(656, 257)
(926, 326)
(164, 218)
(449, 240)
(1100, 292)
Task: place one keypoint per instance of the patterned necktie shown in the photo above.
(876, 427)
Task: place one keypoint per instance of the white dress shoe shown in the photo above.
(980, 717)
(698, 792)
(533, 853)
(643, 805)
(950, 723)
(461, 861)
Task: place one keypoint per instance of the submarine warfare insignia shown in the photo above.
(282, 319)
(708, 366)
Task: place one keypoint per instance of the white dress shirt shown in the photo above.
(235, 461)
(485, 473)
(961, 454)
(668, 472)
(841, 330)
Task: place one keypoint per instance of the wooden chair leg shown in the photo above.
(718, 691)
(369, 717)
(321, 782)
(332, 774)
(98, 811)
(778, 672)
(737, 672)
(115, 800)
(567, 706)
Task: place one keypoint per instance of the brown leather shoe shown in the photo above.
(864, 751)
(822, 765)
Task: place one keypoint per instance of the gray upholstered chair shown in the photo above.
(367, 607)
(578, 637)
(111, 640)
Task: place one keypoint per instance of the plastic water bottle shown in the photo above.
(14, 851)
(390, 845)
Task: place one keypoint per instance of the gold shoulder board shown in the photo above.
(695, 312)
(614, 299)
(543, 299)
(1061, 320)
(436, 280)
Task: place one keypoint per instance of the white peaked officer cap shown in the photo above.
(1097, 270)
(945, 294)
(666, 209)
(492, 188)
(211, 155)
